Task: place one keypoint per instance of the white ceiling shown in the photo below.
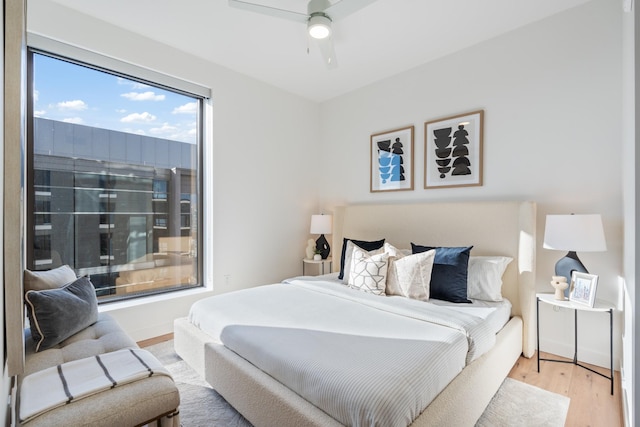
(383, 39)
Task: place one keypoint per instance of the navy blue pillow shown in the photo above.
(449, 274)
(367, 246)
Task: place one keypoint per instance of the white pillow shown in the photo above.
(409, 275)
(348, 254)
(368, 273)
(484, 280)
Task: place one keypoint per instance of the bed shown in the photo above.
(493, 229)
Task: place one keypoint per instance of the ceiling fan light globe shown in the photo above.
(319, 32)
(319, 27)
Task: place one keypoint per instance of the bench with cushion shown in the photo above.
(65, 328)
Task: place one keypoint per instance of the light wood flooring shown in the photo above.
(591, 401)
(155, 340)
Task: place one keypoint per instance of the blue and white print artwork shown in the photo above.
(392, 160)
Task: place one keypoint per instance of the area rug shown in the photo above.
(519, 404)
(515, 403)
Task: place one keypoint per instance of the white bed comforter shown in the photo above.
(366, 360)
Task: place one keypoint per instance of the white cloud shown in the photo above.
(75, 105)
(75, 120)
(36, 95)
(143, 96)
(121, 111)
(188, 108)
(39, 113)
(138, 118)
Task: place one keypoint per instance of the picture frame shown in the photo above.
(583, 288)
(391, 160)
(453, 151)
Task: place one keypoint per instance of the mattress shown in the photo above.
(362, 358)
(496, 314)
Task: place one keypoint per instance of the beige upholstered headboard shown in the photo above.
(493, 228)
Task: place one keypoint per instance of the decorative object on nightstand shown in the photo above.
(573, 233)
(311, 249)
(583, 288)
(321, 224)
(559, 283)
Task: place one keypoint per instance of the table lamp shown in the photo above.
(573, 233)
(321, 224)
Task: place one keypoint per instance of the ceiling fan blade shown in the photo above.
(328, 52)
(346, 7)
(271, 11)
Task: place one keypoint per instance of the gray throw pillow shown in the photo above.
(57, 314)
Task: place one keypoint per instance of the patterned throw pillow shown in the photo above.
(368, 273)
(348, 255)
(347, 249)
(409, 275)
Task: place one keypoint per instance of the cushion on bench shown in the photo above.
(102, 337)
(73, 381)
(128, 405)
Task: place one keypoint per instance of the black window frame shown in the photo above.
(202, 101)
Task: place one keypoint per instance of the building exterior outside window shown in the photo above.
(118, 206)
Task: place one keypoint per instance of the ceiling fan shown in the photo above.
(320, 14)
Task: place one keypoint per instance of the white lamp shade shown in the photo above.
(321, 224)
(577, 233)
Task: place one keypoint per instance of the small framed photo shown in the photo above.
(392, 160)
(453, 151)
(583, 288)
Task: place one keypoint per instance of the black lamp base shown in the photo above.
(567, 265)
(322, 246)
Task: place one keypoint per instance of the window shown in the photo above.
(114, 172)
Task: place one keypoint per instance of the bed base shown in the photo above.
(494, 228)
(266, 402)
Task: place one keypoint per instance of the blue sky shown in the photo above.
(75, 94)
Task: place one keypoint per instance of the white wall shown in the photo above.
(552, 94)
(264, 144)
(6, 380)
(631, 162)
(552, 99)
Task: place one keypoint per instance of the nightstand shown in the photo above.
(322, 266)
(599, 306)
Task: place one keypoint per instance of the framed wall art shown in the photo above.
(392, 160)
(583, 288)
(453, 151)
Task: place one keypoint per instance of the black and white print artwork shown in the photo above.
(392, 160)
(453, 151)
